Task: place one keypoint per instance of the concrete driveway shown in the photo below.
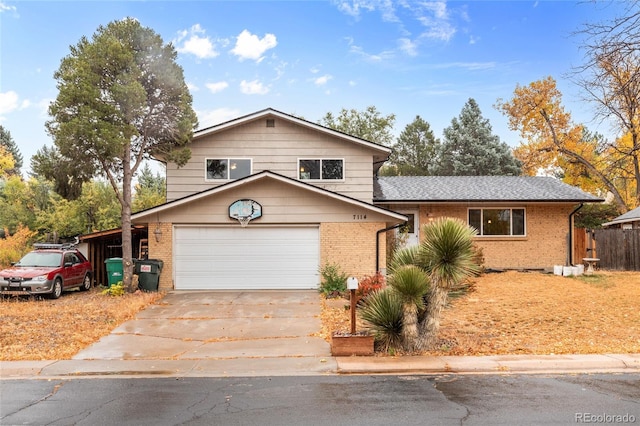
(188, 325)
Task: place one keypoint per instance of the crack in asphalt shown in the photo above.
(55, 389)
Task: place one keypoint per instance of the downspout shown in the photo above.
(570, 251)
(380, 231)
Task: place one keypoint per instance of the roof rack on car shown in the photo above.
(43, 246)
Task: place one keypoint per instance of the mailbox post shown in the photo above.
(352, 285)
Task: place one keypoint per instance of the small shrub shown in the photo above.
(115, 290)
(334, 281)
(369, 284)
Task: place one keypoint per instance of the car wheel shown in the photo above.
(86, 283)
(56, 292)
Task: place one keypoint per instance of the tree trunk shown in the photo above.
(429, 326)
(409, 326)
(127, 246)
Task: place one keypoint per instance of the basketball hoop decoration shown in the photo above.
(245, 211)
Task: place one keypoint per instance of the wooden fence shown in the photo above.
(618, 249)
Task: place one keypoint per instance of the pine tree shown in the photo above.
(470, 149)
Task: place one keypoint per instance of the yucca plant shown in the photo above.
(403, 256)
(411, 283)
(382, 310)
(447, 254)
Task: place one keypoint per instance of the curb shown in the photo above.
(494, 364)
(309, 366)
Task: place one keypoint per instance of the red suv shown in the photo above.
(50, 269)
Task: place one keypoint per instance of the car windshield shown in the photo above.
(41, 259)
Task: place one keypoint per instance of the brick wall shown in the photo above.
(544, 245)
(352, 246)
(163, 250)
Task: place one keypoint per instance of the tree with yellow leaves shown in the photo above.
(554, 140)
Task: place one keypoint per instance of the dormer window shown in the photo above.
(227, 168)
(321, 169)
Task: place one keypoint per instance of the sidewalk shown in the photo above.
(311, 366)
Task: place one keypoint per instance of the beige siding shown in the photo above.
(545, 245)
(275, 149)
(281, 203)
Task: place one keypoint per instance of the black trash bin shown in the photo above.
(148, 271)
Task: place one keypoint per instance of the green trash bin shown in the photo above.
(114, 270)
(148, 271)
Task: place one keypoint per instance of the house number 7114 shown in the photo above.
(359, 216)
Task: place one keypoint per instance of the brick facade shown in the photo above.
(352, 246)
(163, 250)
(545, 245)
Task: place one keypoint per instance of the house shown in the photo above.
(523, 222)
(628, 220)
(268, 199)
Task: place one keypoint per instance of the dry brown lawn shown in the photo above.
(505, 313)
(534, 313)
(42, 329)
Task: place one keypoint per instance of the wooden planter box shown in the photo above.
(348, 345)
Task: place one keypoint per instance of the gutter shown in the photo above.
(570, 248)
(380, 231)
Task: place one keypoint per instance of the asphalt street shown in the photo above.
(320, 400)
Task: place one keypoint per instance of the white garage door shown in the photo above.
(246, 258)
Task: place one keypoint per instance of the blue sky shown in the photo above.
(308, 58)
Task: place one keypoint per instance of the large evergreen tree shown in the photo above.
(416, 151)
(9, 144)
(122, 98)
(470, 148)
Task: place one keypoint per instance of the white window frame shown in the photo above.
(321, 159)
(511, 209)
(228, 159)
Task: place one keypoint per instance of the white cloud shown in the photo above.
(354, 8)
(322, 80)
(6, 8)
(192, 87)
(208, 118)
(194, 42)
(253, 88)
(8, 102)
(435, 17)
(217, 87)
(408, 46)
(371, 57)
(249, 46)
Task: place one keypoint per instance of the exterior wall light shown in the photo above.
(158, 233)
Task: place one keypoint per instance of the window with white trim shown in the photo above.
(321, 169)
(227, 168)
(498, 222)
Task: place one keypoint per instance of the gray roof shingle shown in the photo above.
(477, 188)
(630, 216)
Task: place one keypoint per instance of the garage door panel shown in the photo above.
(246, 258)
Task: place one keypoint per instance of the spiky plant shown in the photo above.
(411, 283)
(403, 256)
(382, 310)
(446, 252)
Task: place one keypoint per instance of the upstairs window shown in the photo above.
(498, 222)
(321, 169)
(227, 168)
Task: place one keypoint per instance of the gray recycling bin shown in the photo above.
(148, 272)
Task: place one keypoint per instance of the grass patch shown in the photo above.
(534, 313)
(43, 329)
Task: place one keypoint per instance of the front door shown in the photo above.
(409, 234)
